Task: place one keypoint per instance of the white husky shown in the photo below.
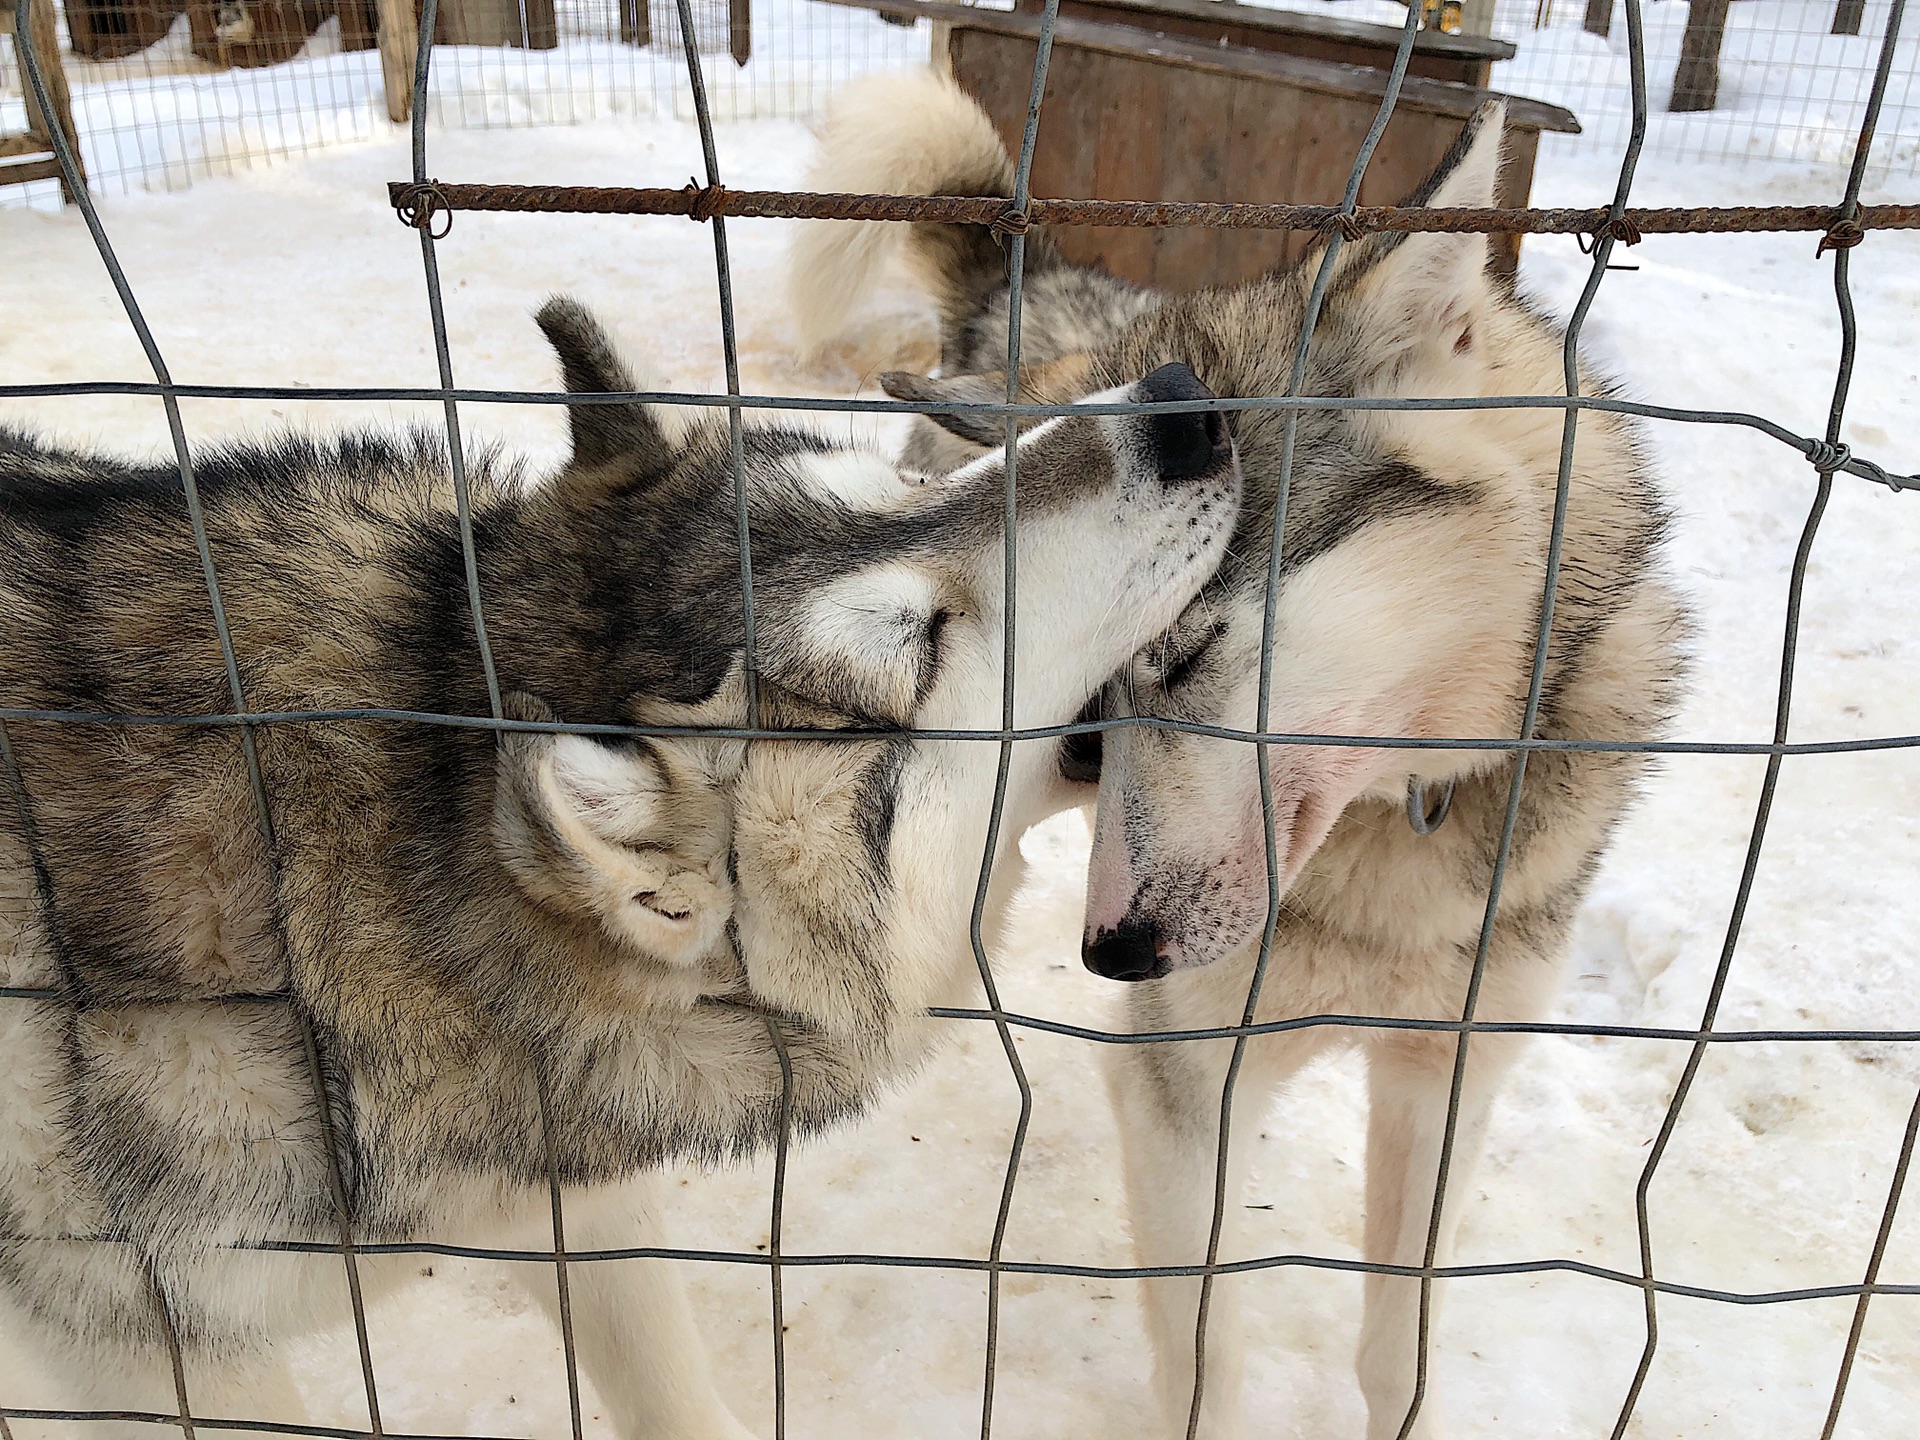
(1408, 602)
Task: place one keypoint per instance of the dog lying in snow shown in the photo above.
(1408, 604)
(509, 950)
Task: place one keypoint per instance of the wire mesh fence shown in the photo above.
(429, 206)
(1808, 61)
(159, 105)
(163, 95)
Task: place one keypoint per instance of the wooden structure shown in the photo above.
(636, 27)
(1135, 115)
(28, 155)
(1464, 59)
(243, 33)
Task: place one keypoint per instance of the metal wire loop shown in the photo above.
(1010, 222)
(1841, 235)
(1346, 223)
(1828, 458)
(423, 203)
(1423, 815)
(704, 201)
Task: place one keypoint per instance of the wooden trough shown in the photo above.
(1131, 114)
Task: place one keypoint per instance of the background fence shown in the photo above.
(158, 117)
(1607, 229)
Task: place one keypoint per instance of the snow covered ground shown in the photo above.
(1776, 1178)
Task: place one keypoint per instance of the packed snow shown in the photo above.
(1776, 1178)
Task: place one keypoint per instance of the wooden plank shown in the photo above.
(522, 24)
(40, 125)
(399, 54)
(111, 29)
(739, 31)
(1222, 23)
(1320, 76)
(1294, 22)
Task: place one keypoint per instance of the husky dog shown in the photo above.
(1408, 603)
(508, 950)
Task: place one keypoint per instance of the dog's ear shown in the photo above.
(1055, 383)
(588, 829)
(629, 433)
(1415, 283)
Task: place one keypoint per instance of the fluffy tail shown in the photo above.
(899, 134)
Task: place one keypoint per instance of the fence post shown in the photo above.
(1696, 79)
(399, 51)
(1476, 17)
(1848, 15)
(1599, 19)
(739, 31)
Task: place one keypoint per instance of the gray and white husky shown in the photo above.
(1408, 604)
(507, 949)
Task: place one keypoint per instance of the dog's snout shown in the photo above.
(1185, 443)
(1131, 952)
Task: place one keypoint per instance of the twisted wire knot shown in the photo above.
(1841, 235)
(421, 204)
(1345, 222)
(703, 201)
(1827, 458)
(1622, 229)
(1011, 222)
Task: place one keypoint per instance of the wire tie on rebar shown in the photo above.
(1425, 817)
(703, 201)
(420, 204)
(1011, 222)
(1346, 223)
(1841, 235)
(1827, 458)
(1622, 229)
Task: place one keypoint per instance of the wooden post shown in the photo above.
(1476, 17)
(1847, 15)
(739, 31)
(46, 48)
(399, 54)
(1599, 20)
(1696, 79)
(636, 24)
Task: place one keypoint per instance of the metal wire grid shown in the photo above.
(162, 118)
(1826, 453)
(1778, 56)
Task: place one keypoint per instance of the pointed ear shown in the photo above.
(1054, 383)
(591, 364)
(1420, 283)
(589, 829)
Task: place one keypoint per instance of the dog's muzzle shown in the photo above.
(1131, 952)
(1186, 444)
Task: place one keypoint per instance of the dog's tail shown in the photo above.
(900, 134)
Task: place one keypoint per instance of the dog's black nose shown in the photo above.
(1185, 443)
(1130, 953)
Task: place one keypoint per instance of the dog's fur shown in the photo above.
(465, 922)
(1408, 603)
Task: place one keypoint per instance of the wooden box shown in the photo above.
(1132, 115)
(1463, 59)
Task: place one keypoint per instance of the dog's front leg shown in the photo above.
(1167, 1100)
(1409, 1078)
(632, 1326)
